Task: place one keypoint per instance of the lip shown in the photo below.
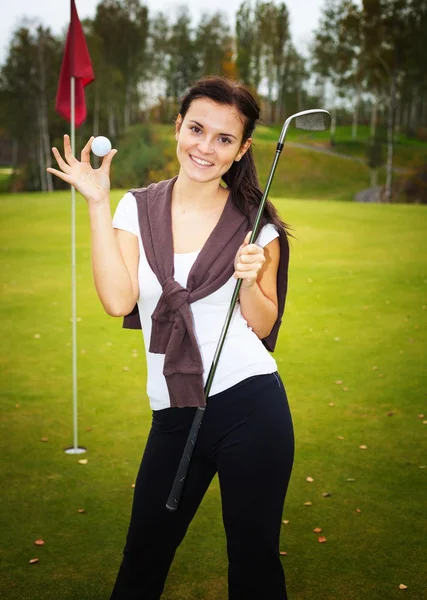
(201, 166)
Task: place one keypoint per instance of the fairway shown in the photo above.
(352, 355)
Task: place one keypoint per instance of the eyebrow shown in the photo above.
(227, 134)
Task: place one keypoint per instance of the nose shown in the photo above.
(206, 145)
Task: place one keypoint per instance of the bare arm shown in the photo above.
(114, 254)
(258, 293)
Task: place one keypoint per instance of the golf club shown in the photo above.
(309, 120)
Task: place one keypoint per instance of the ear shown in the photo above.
(243, 149)
(178, 124)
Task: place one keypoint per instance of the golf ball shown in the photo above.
(101, 146)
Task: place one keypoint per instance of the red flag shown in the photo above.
(75, 63)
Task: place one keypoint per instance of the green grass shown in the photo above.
(357, 300)
(407, 153)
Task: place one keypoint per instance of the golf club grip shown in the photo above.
(181, 475)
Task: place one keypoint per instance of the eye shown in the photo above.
(195, 129)
(224, 140)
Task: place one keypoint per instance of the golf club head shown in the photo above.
(313, 120)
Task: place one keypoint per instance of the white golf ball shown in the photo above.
(101, 146)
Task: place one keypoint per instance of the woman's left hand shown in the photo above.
(248, 262)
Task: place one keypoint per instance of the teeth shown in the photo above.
(199, 161)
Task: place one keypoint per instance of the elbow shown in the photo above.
(118, 310)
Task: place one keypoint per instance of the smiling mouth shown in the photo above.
(201, 162)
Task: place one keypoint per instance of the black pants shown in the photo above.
(247, 437)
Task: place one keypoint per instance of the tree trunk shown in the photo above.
(15, 155)
(333, 125)
(111, 123)
(374, 177)
(374, 116)
(390, 139)
(96, 111)
(40, 153)
(355, 116)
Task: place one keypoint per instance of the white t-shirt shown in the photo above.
(243, 354)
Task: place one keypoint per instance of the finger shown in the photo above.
(85, 153)
(60, 174)
(250, 267)
(106, 163)
(247, 238)
(69, 157)
(61, 162)
(251, 258)
(253, 249)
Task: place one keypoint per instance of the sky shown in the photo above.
(304, 15)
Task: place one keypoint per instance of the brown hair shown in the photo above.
(242, 176)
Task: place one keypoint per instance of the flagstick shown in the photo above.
(75, 449)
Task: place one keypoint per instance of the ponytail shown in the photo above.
(242, 179)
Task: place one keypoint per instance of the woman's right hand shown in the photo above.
(93, 184)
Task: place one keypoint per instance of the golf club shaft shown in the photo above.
(178, 484)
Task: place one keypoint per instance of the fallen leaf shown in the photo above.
(402, 586)
(309, 479)
(363, 447)
(424, 422)
(358, 510)
(338, 382)
(308, 503)
(83, 461)
(337, 339)
(390, 414)
(421, 416)
(317, 530)
(44, 439)
(125, 368)
(36, 336)
(422, 466)
(81, 510)
(321, 539)
(350, 479)
(132, 485)
(340, 437)
(380, 375)
(285, 522)
(345, 389)
(17, 406)
(374, 368)
(283, 553)
(88, 428)
(331, 403)
(33, 561)
(326, 494)
(39, 542)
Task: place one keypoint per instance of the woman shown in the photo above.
(171, 259)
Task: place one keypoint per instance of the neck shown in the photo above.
(197, 197)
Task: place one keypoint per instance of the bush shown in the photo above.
(414, 188)
(140, 154)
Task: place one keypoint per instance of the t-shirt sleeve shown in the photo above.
(267, 234)
(126, 215)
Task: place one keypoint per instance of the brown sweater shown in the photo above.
(172, 322)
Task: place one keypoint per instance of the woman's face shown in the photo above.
(209, 140)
